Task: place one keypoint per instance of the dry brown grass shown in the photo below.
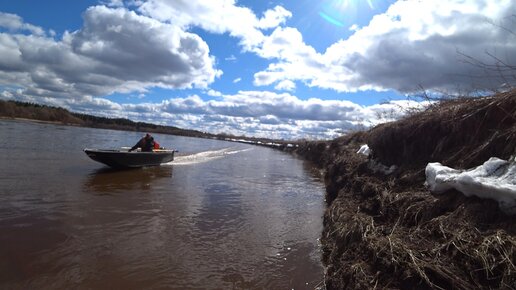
(460, 132)
(389, 232)
(410, 242)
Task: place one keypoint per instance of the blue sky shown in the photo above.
(282, 69)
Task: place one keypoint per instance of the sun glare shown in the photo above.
(345, 12)
(330, 19)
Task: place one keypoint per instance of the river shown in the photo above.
(222, 215)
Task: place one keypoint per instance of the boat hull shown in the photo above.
(125, 159)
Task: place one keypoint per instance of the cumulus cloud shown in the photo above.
(251, 113)
(268, 114)
(217, 16)
(298, 61)
(286, 85)
(113, 3)
(14, 22)
(115, 51)
(354, 28)
(414, 44)
(214, 93)
(273, 18)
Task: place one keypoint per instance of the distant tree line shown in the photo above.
(33, 111)
(16, 109)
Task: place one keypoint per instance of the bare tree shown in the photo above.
(494, 66)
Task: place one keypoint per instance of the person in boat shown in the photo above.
(146, 143)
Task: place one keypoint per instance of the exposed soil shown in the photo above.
(388, 231)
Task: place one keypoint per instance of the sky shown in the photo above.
(288, 69)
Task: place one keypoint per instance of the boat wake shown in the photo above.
(204, 156)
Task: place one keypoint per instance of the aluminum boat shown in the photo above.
(125, 159)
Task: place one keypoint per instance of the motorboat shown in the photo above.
(124, 158)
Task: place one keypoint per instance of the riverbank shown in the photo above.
(385, 230)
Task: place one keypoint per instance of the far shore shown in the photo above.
(277, 144)
(20, 111)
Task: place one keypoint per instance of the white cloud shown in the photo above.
(285, 85)
(286, 116)
(237, 80)
(113, 3)
(250, 113)
(298, 61)
(270, 112)
(218, 16)
(115, 51)
(393, 110)
(412, 44)
(275, 17)
(214, 93)
(354, 28)
(14, 22)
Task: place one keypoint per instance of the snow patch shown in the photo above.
(364, 150)
(376, 167)
(495, 179)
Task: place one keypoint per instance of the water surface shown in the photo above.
(221, 216)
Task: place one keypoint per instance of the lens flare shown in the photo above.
(330, 19)
(345, 12)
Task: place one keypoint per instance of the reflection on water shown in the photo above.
(222, 216)
(110, 181)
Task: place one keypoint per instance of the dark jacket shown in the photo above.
(146, 143)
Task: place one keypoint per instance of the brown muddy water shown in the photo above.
(221, 216)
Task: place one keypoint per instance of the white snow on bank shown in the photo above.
(495, 179)
(364, 150)
(374, 165)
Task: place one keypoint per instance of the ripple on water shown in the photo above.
(225, 217)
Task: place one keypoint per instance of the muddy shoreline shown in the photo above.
(387, 231)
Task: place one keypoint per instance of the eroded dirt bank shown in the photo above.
(387, 231)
